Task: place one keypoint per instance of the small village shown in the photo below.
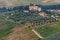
(29, 23)
(33, 9)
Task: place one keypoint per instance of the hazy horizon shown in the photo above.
(11, 3)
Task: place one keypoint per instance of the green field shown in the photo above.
(53, 37)
(48, 30)
(5, 26)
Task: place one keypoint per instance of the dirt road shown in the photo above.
(37, 34)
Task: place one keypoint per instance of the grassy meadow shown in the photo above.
(5, 26)
(48, 30)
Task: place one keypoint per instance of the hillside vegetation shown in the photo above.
(17, 24)
(48, 30)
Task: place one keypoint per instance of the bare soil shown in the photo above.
(21, 33)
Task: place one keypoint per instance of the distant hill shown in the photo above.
(11, 3)
(26, 7)
(48, 7)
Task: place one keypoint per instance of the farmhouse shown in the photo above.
(34, 7)
(26, 11)
(43, 14)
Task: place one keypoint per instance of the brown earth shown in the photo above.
(21, 33)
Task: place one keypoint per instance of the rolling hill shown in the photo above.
(11, 3)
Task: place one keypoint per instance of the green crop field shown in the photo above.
(5, 26)
(48, 30)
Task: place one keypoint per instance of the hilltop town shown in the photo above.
(29, 22)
